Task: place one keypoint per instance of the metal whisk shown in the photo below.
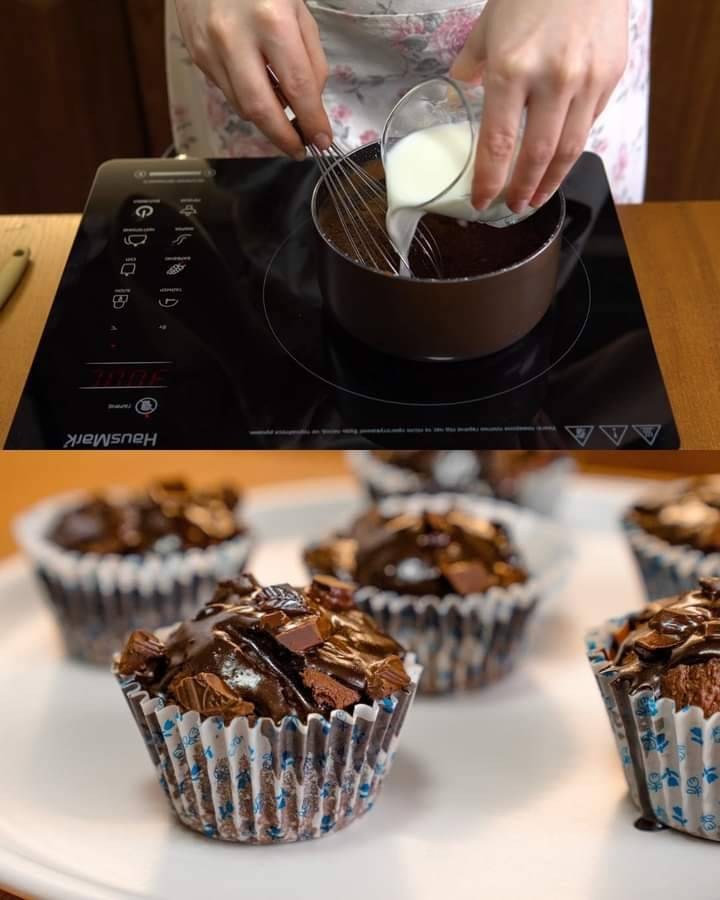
(360, 203)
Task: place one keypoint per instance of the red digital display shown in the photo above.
(126, 376)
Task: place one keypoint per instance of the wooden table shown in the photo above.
(675, 250)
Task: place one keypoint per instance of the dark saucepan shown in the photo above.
(497, 283)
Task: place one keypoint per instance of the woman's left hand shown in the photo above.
(561, 58)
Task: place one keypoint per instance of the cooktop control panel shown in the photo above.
(189, 316)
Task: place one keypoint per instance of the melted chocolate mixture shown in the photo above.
(421, 554)
(270, 651)
(169, 516)
(465, 250)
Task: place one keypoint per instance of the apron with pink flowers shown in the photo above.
(377, 50)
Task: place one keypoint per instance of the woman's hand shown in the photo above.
(232, 41)
(563, 59)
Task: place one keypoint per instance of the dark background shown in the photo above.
(83, 81)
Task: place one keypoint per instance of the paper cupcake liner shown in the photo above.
(670, 757)
(537, 489)
(468, 642)
(98, 599)
(271, 783)
(668, 569)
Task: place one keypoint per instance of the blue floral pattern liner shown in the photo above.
(98, 599)
(538, 489)
(271, 783)
(469, 642)
(667, 569)
(670, 757)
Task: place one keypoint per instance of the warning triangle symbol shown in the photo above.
(648, 433)
(580, 433)
(616, 433)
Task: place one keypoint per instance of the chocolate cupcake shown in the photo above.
(443, 575)
(123, 560)
(273, 715)
(674, 535)
(659, 674)
(531, 478)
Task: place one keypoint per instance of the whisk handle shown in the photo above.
(275, 84)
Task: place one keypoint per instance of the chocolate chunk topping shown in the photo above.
(303, 634)
(144, 654)
(210, 695)
(327, 692)
(283, 597)
(710, 588)
(249, 650)
(387, 676)
(669, 648)
(425, 554)
(166, 518)
(332, 593)
(685, 512)
(469, 577)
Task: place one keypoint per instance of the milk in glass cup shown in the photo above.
(428, 148)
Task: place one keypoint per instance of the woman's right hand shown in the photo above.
(232, 42)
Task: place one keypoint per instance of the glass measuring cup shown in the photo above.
(443, 101)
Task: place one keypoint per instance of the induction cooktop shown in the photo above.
(189, 317)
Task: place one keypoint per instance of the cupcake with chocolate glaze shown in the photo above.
(444, 575)
(531, 478)
(674, 535)
(273, 715)
(121, 559)
(658, 671)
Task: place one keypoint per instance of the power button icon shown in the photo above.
(144, 211)
(146, 406)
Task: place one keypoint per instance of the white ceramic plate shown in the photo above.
(508, 793)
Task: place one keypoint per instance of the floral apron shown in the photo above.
(377, 50)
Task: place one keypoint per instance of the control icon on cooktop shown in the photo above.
(252, 358)
(146, 406)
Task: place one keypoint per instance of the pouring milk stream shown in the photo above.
(428, 149)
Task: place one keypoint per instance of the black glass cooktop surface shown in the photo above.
(189, 317)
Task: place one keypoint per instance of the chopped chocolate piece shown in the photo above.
(283, 597)
(386, 676)
(469, 577)
(244, 655)
(143, 654)
(655, 644)
(166, 518)
(327, 692)
(332, 593)
(710, 588)
(210, 696)
(425, 554)
(300, 635)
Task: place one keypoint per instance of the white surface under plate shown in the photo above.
(514, 792)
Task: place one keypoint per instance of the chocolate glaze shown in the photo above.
(270, 651)
(685, 512)
(659, 649)
(668, 633)
(167, 517)
(428, 553)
